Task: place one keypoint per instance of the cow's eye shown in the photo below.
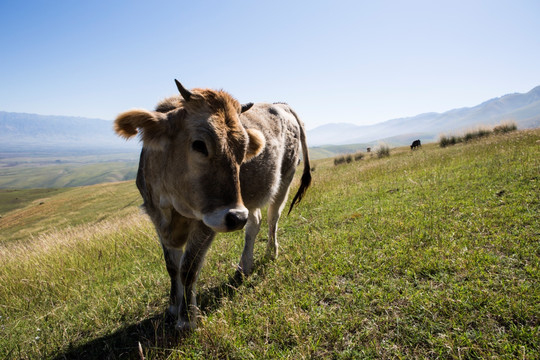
(200, 147)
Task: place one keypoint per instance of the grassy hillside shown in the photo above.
(15, 199)
(425, 254)
(43, 211)
(327, 151)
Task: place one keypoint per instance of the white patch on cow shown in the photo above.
(216, 220)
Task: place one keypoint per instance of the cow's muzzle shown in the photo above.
(235, 220)
(226, 219)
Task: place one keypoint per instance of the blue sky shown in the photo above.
(360, 62)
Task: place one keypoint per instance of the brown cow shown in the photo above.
(209, 165)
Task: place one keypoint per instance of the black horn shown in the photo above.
(186, 94)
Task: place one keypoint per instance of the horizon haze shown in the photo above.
(21, 132)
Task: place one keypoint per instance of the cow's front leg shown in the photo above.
(172, 261)
(252, 229)
(274, 212)
(198, 243)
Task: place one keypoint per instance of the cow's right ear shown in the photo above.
(152, 127)
(256, 143)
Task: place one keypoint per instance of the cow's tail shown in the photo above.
(306, 175)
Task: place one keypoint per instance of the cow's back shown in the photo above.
(260, 178)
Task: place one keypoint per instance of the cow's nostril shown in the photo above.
(235, 221)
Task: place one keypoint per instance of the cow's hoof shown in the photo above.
(271, 253)
(184, 326)
(244, 270)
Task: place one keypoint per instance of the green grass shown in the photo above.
(15, 199)
(427, 254)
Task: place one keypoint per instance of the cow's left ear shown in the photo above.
(246, 107)
(256, 143)
(152, 126)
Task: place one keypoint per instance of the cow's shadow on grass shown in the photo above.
(156, 332)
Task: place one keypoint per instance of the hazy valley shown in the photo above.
(38, 151)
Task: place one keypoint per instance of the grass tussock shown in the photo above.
(382, 151)
(347, 159)
(448, 140)
(430, 254)
(505, 128)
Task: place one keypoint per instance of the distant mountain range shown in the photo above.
(23, 132)
(523, 109)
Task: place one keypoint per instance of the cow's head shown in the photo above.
(197, 144)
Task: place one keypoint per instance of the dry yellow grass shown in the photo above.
(64, 239)
(85, 205)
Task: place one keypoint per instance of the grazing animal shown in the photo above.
(416, 144)
(208, 165)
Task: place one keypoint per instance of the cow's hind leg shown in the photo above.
(274, 212)
(172, 261)
(252, 229)
(198, 243)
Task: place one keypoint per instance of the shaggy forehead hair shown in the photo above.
(203, 100)
(225, 121)
(216, 102)
(225, 110)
